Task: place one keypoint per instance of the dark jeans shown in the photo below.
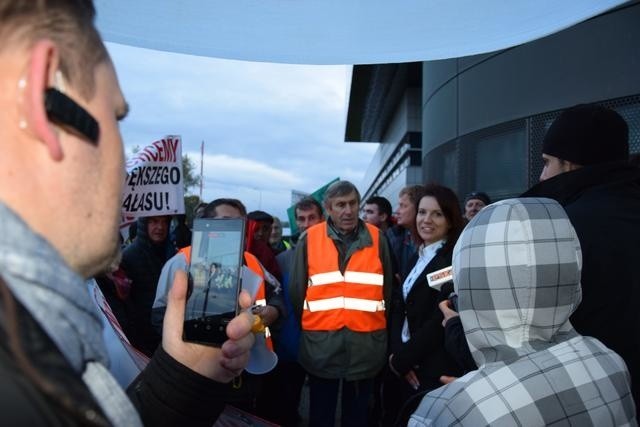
(323, 400)
(280, 396)
(399, 399)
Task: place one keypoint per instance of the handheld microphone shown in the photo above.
(442, 280)
(440, 277)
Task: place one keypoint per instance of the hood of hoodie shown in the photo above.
(517, 270)
(142, 233)
(142, 236)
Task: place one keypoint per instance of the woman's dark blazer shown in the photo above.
(424, 352)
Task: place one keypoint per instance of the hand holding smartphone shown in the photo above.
(222, 363)
(214, 279)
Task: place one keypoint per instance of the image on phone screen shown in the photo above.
(214, 279)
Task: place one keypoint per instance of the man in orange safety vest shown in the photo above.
(340, 285)
(269, 302)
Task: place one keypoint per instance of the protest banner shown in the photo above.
(154, 184)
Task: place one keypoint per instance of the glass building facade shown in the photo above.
(477, 123)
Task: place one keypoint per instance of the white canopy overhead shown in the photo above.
(337, 31)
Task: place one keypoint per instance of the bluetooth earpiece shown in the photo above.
(66, 112)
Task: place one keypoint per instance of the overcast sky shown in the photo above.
(268, 128)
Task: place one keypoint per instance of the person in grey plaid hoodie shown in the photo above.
(517, 274)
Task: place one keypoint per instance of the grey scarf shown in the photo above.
(57, 298)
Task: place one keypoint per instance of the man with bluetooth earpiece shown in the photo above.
(60, 195)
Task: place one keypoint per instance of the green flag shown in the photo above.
(318, 195)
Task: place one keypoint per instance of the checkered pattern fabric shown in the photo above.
(517, 275)
(517, 271)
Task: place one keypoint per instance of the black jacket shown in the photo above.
(455, 342)
(424, 352)
(142, 260)
(603, 204)
(403, 250)
(166, 393)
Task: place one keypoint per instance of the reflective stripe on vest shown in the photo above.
(254, 265)
(334, 300)
(348, 303)
(349, 276)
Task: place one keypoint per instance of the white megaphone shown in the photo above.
(261, 359)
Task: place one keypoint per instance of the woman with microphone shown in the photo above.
(418, 357)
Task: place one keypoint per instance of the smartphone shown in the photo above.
(217, 249)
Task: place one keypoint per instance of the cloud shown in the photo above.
(225, 169)
(268, 128)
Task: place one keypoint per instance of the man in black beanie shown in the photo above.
(584, 135)
(587, 170)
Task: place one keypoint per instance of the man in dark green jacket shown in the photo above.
(344, 336)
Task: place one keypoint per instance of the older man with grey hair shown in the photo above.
(340, 283)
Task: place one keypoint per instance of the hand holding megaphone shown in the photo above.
(261, 358)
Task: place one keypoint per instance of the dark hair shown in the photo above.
(69, 24)
(450, 206)
(210, 210)
(133, 231)
(202, 206)
(384, 206)
(260, 216)
(307, 203)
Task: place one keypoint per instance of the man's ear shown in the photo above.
(43, 63)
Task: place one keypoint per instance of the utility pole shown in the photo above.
(201, 168)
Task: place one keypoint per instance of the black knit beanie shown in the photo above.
(588, 134)
(478, 195)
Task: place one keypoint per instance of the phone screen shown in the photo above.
(214, 279)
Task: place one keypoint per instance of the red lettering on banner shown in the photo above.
(164, 150)
(159, 154)
(173, 145)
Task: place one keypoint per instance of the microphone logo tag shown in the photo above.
(440, 277)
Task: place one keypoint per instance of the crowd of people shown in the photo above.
(534, 324)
